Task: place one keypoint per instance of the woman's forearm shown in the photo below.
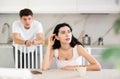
(68, 67)
(93, 67)
(46, 60)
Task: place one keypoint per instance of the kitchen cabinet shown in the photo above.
(61, 6)
(12, 6)
(96, 53)
(98, 6)
(38, 6)
(53, 6)
(6, 56)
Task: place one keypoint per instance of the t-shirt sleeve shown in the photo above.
(40, 28)
(15, 28)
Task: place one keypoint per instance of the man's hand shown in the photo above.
(34, 42)
(28, 43)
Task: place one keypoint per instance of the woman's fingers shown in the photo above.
(52, 37)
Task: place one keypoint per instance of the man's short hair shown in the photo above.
(25, 12)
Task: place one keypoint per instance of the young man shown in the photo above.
(27, 31)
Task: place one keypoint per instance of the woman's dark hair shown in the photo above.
(73, 42)
(25, 12)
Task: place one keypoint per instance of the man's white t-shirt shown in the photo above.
(27, 34)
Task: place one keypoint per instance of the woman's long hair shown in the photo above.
(57, 44)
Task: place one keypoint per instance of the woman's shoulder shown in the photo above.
(79, 46)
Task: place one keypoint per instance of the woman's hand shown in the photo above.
(48, 57)
(51, 40)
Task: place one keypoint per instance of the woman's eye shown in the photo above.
(62, 32)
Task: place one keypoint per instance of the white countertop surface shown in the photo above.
(62, 74)
(5, 45)
(13, 73)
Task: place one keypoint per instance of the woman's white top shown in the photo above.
(76, 59)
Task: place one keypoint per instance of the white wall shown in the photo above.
(95, 25)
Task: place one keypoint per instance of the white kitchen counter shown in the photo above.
(62, 74)
(6, 56)
(6, 46)
(13, 73)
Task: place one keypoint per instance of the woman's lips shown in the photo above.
(67, 39)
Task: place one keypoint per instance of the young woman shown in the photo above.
(67, 50)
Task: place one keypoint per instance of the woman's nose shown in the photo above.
(67, 34)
